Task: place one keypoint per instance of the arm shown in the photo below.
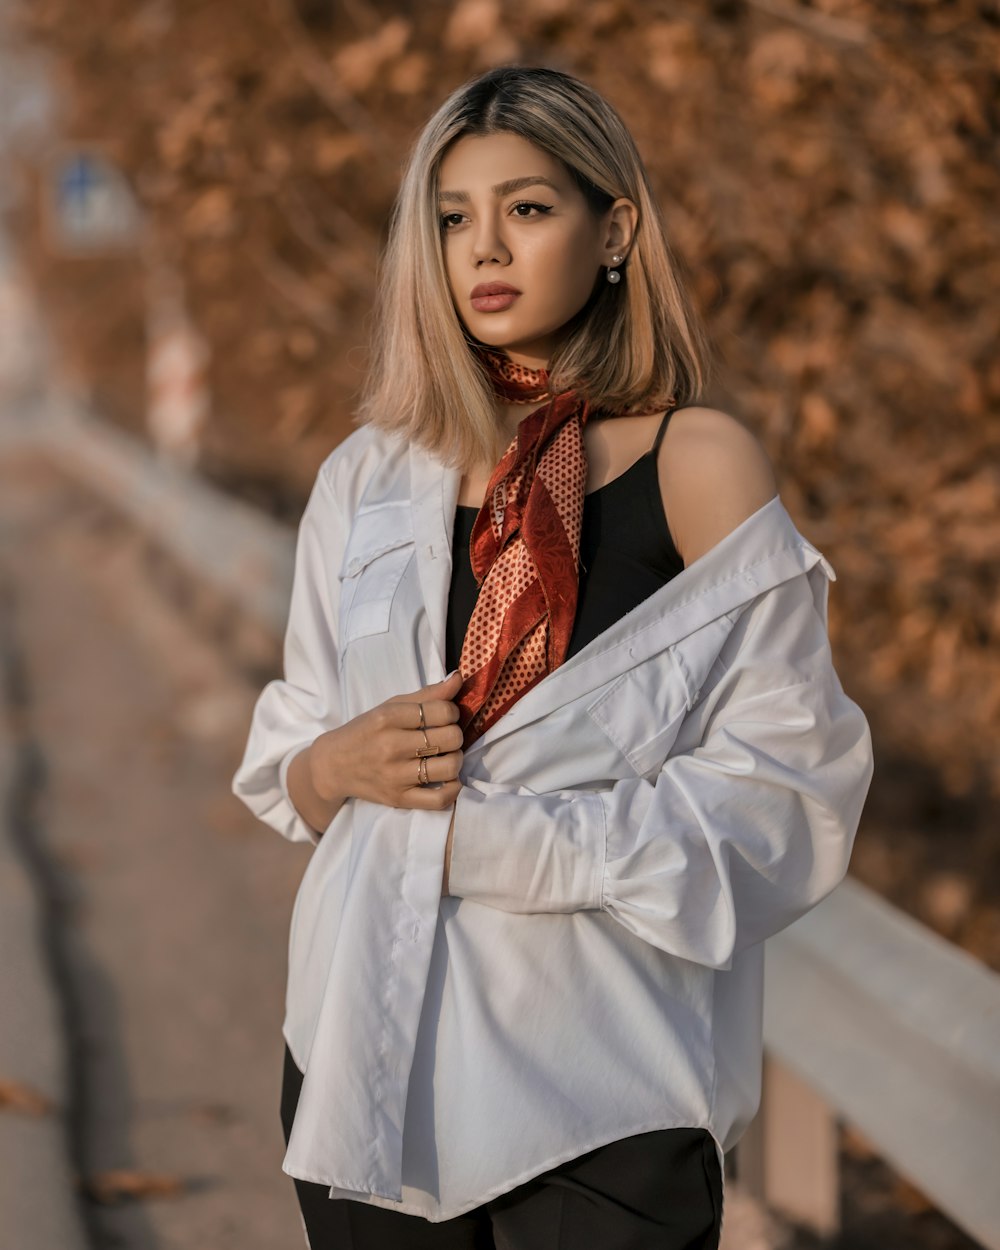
(291, 712)
(316, 803)
(732, 840)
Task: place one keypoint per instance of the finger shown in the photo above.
(403, 714)
(446, 688)
(431, 798)
(447, 737)
(444, 767)
(446, 685)
(439, 768)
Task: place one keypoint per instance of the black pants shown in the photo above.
(654, 1191)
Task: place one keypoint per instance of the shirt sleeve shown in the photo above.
(733, 839)
(293, 710)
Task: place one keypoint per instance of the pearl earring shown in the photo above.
(613, 274)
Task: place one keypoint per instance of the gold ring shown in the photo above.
(427, 749)
(423, 723)
(422, 772)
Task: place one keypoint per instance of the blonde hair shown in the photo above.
(632, 347)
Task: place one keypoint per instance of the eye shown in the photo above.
(446, 220)
(530, 204)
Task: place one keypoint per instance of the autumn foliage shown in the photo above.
(829, 174)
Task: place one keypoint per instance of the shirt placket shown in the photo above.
(400, 995)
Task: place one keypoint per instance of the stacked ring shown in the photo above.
(426, 749)
(422, 772)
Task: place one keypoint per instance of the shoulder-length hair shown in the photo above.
(637, 346)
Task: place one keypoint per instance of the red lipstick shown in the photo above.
(493, 296)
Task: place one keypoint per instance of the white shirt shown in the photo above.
(627, 835)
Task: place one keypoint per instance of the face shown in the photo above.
(512, 217)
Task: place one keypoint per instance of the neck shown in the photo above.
(528, 360)
(519, 387)
(510, 416)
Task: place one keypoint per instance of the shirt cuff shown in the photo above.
(529, 852)
(300, 830)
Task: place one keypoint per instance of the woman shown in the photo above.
(525, 967)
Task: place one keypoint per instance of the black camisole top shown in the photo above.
(626, 553)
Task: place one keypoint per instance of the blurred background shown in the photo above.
(192, 200)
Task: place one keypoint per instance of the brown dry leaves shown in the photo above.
(829, 174)
(119, 1185)
(23, 1099)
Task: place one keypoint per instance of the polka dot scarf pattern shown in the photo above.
(512, 382)
(525, 552)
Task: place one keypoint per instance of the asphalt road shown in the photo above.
(143, 913)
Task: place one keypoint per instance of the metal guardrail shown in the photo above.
(898, 1031)
(232, 545)
(868, 1015)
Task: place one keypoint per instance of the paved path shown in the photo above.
(147, 911)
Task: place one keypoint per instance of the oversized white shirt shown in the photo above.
(627, 836)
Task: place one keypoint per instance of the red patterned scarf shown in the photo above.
(525, 550)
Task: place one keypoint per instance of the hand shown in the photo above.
(374, 756)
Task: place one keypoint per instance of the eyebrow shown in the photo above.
(502, 188)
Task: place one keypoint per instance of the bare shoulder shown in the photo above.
(714, 473)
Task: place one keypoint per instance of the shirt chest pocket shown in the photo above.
(642, 710)
(379, 548)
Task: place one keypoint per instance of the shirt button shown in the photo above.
(751, 579)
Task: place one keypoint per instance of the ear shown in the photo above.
(621, 219)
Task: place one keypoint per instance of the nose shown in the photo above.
(488, 245)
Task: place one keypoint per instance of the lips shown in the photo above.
(493, 288)
(493, 296)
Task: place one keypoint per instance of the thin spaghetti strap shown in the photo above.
(660, 432)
